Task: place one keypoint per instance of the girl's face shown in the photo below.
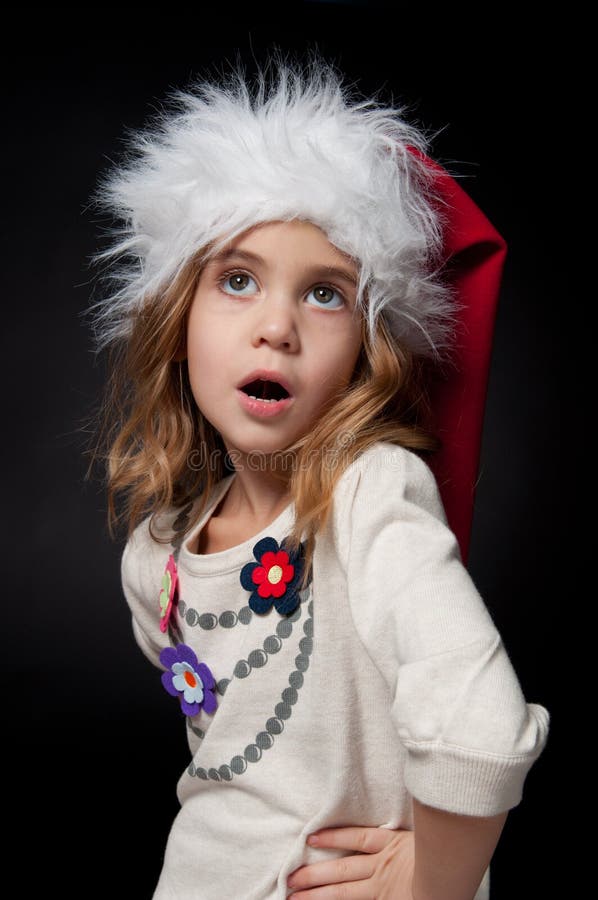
(272, 318)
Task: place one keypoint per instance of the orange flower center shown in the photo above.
(275, 574)
(190, 679)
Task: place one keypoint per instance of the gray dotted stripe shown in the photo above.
(257, 659)
(274, 726)
(209, 621)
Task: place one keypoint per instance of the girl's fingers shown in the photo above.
(334, 871)
(359, 838)
(354, 869)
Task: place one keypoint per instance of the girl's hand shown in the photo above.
(381, 870)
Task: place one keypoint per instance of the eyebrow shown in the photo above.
(330, 271)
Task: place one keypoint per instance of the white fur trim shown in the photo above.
(222, 159)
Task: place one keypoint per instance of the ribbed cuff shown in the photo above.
(463, 781)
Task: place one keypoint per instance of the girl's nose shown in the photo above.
(276, 325)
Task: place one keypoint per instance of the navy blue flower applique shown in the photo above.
(275, 577)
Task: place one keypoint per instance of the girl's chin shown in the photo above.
(258, 455)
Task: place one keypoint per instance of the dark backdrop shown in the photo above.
(94, 744)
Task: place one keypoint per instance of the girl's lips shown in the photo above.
(264, 409)
(267, 375)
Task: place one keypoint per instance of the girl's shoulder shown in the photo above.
(146, 553)
(154, 534)
(146, 576)
(388, 501)
(386, 473)
(153, 540)
(148, 547)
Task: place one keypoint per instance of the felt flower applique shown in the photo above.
(274, 578)
(167, 592)
(188, 679)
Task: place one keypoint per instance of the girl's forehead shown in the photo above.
(299, 236)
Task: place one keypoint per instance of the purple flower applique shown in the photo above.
(188, 679)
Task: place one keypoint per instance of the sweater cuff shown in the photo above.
(463, 781)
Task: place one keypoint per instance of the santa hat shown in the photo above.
(221, 159)
(474, 254)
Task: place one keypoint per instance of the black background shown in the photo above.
(94, 745)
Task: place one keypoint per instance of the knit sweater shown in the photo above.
(388, 681)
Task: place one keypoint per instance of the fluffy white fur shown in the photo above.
(225, 157)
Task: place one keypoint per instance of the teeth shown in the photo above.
(262, 399)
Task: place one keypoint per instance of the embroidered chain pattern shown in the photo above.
(257, 658)
(283, 710)
(208, 621)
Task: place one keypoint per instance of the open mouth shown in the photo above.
(269, 391)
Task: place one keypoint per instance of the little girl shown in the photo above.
(355, 726)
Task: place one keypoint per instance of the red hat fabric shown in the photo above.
(475, 256)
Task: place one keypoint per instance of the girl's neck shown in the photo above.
(253, 500)
(256, 493)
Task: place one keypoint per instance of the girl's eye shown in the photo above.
(325, 297)
(236, 283)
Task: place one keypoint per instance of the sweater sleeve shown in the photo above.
(456, 701)
(141, 578)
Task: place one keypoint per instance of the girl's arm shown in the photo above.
(444, 857)
(452, 852)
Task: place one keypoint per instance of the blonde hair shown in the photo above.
(160, 452)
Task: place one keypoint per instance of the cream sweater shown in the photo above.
(389, 681)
